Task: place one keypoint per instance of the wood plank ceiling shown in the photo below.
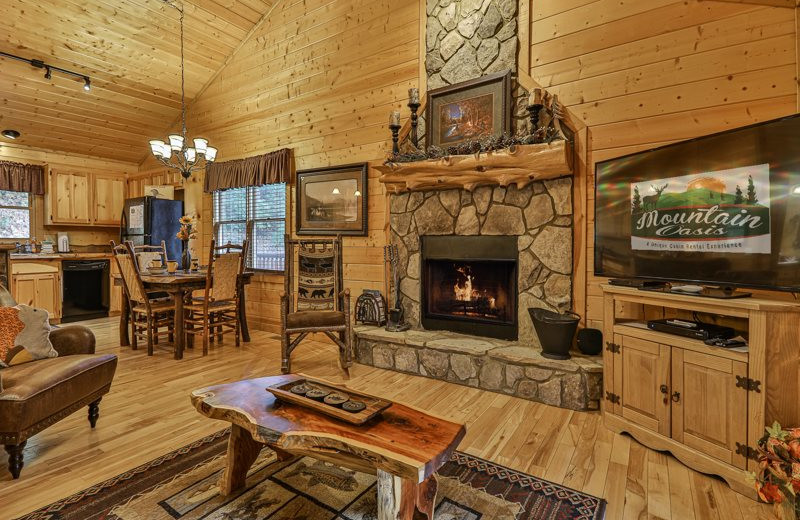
(131, 51)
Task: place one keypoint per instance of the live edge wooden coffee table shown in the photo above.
(404, 446)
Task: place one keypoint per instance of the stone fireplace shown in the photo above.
(473, 259)
(536, 219)
(469, 285)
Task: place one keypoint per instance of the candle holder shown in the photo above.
(414, 121)
(395, 133)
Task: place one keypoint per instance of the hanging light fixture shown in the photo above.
(174, 152)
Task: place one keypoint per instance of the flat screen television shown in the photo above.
(722, 209)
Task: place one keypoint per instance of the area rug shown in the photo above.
(183, 485)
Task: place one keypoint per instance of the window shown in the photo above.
(264, 208)
(15, 214)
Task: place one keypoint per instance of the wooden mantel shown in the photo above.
(519, 164)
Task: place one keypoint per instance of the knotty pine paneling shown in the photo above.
(66, 162)
(319, 77)
(644, 74)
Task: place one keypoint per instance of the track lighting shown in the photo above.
(48, 69)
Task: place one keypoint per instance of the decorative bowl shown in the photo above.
(156, 270)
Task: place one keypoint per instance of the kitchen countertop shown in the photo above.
(59, 256)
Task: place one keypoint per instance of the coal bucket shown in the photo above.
(555, 331)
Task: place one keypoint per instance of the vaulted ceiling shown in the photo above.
(131, 51)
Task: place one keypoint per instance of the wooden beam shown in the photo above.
(520, 165)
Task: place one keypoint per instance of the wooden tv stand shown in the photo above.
(706, 405)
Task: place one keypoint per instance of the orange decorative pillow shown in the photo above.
(24, 335)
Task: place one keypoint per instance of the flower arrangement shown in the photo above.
(778, 478)
(187, 230)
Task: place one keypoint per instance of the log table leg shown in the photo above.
(403, 499)
(242, 452)
(124, 340)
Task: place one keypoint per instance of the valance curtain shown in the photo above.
(22, 177)
(269, 168)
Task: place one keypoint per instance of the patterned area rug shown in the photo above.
(183, 485)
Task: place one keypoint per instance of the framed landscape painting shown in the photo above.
(470, 110)
(332, 201)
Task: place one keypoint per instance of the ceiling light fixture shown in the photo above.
(185, 158)
(10, 134)
(48, 69)
(87, 85)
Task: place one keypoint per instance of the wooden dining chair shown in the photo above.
(147, 316)
(217, 312)
(320, 304)
(146, 254)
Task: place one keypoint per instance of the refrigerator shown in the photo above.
(148, 221)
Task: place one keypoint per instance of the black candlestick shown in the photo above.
(395, 131)
(533, 111)
(414, 139)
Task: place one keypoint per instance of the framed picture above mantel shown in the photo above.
(469, 110)
(332, 200)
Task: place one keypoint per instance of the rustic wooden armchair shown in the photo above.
(146, 254)
(148, 316)
(217, 312)
(320, 304)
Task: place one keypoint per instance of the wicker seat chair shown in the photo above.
(217, 312)
(320, 304)
(147, 316)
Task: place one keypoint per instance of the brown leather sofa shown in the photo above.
(37, 394)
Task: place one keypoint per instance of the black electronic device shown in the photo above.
(636, 282)
(691, 329)
(725, 343)
(716, 210)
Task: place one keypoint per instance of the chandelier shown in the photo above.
(175, 152)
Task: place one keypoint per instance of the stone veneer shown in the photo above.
(489, 364)
(540, 215)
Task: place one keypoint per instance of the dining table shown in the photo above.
(179, 285)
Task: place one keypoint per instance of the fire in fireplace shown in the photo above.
(469, 285)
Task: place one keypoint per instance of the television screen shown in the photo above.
(722, 209)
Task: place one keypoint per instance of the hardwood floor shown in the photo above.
(147, 413)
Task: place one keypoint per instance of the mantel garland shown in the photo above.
(476, 146)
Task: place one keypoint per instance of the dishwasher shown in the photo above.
(85, 290)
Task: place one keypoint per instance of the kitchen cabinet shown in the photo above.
(109, 199)
(69, 198)
(85, 199)
(38, 285)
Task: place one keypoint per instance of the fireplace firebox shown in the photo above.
(469, 285)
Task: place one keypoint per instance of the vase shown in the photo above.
(186, 258)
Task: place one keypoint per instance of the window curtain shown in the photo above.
(28, 178)
(270, 168)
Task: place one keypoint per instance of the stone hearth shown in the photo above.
(489, 364)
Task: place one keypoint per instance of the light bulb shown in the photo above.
(357, 193)
(335, 191)
(87, 85)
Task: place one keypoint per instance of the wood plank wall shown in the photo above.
(642, 74)
(64, 161)
(320, 77)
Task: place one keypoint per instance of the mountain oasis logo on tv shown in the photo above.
(725, 211)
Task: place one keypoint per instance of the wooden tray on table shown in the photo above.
(373, 405)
